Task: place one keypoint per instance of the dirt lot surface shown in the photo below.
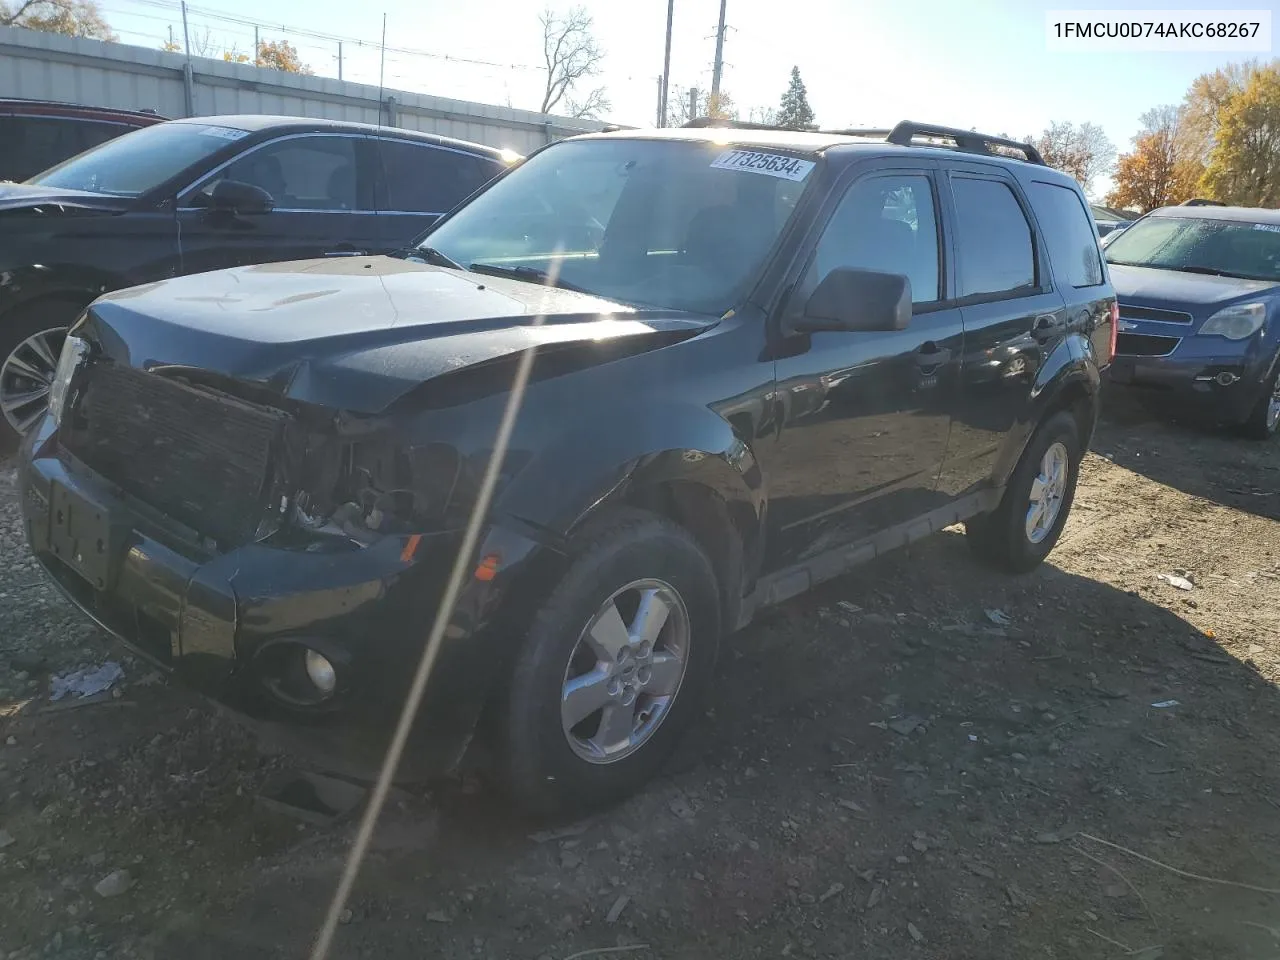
(884, 771)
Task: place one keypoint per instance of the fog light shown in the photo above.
(1226, 378)
(320, 672)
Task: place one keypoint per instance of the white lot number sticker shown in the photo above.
(1273, 227)
(224, 133)
(770, 164)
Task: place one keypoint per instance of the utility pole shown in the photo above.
(666, 68)
(186, 34)
(257, 47)
(718, 68)
(339, 59)
(693, 103)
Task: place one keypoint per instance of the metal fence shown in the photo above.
(48, 66)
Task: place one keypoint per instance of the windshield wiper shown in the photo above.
(1209, 271)
(428, 255)
(530, 274)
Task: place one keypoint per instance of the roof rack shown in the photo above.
(1202, 202)
(904, 135)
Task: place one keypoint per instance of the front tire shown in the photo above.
(613, 669)
(1264, 420)
(1020, 532)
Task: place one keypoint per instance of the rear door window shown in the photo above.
(421, 178)
(1068, 233)
(993, 238)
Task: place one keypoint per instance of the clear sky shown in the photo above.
(979, 63)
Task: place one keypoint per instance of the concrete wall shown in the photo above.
(47, 66)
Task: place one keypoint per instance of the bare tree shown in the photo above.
(1084, 152)
(571, 54)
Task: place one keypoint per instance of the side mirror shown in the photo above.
(857, 300)
(234, 196)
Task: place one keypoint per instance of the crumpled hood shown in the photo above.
(18, 196)
(1172, 290)
(352, 333)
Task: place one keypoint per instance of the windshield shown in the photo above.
(1196, 245)
(130, 165)
(668, 224)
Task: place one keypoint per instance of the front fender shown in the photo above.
(27, 284)
(590, 463)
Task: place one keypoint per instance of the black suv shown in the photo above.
(193, 195)
(701, 370)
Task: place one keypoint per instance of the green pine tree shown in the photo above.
(794, 112)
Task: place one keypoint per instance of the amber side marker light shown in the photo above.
(488, 568)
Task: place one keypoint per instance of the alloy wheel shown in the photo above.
(1047, 491)
(26, 377)
(625, 671)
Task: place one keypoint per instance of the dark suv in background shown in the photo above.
(36, 134)
(193, 195)
(760, 358)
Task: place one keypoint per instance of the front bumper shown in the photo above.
(208, 619)
(1194, 380)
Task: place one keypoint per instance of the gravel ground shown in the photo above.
(884, 771)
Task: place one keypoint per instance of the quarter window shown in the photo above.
(993, 239)
(885, 224)
(1068, 233)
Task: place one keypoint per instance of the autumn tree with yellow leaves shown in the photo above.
(1162, 169)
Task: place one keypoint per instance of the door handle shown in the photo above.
(932, 355)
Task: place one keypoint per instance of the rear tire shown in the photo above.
(30, 340)
(1264, 420)
(1020, 532)
(586, 722)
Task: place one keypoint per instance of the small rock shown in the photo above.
(113, 884)
(832, 890)
(345, 916)
(437, 916)
(916, 935)
(904, 725)
(981, 869)
(11, 741)
(1048, 837)
(900, 859)
(1016, 897)
(97, 859)
(876, 895)
(851, 805)
(919, 846)
(681, 808)
(616, 910)
(570, 860)
(6, 839)
(1018, 758)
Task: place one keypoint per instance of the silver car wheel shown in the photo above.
(1047, 491)
(26, 376)
(625, 671)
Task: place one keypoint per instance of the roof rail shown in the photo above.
(1202, 202)
(704, 122)
(905, 133)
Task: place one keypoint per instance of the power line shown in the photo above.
(225, 17)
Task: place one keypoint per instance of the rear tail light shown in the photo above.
(1115, 327)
